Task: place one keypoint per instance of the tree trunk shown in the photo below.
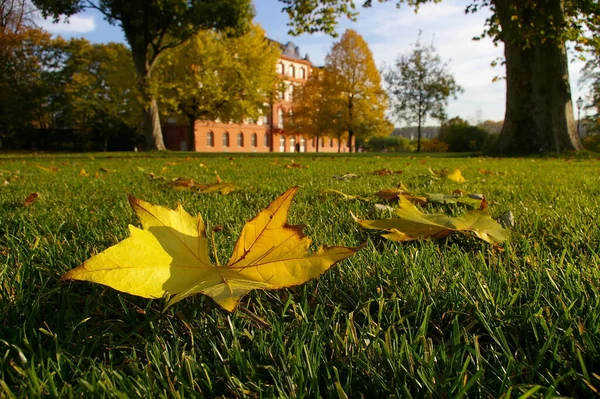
(350, 137)
(151, 125)
(152, 128)
(317, 144)
(191, 133)
(419, 134)
(539, 110)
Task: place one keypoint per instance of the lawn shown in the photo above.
(454, 317)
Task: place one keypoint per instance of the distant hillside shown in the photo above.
(427, 132)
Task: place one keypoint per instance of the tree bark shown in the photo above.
(419, 134)
(151, 122)
(191, 133)
(539, 109)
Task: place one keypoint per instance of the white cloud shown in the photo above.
(390, 31)
(74, 24)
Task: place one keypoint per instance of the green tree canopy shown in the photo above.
(218, 76)
(539, 108)
(153, 26)
(420, 85)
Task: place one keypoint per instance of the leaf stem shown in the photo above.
(212, 240)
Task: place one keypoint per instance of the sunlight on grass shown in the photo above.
(450, 317)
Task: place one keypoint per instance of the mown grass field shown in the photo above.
(443, 318)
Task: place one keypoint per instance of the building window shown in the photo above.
(322, 142)
(280, 118)
(282, 94)
(302, 73)
(291, 93)
(210, 139)
(292, 144)
(302, 144)
(240, 139)
(267, 143)
(280, 68)
(281, 144)
(331, 142)
(225, 139)
(291, 71)
(253, 140)
(314, 143)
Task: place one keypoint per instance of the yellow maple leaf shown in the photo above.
(412, 224)
(169, 256)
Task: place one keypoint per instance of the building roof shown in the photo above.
(290, 50)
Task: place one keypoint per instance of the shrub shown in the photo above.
(390, 143)
(433, 145)
(592, 142)
(462, 137)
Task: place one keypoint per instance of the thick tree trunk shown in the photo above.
(539, 110)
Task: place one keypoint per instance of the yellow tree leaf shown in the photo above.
(345, 196)
(412, 224)
(392, 194)
(169, 256)
(456, 176)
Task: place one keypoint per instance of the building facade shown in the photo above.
(267, 134)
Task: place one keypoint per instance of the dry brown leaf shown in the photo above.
(31, 198)
(386, 172)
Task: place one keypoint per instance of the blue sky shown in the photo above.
(389, 31)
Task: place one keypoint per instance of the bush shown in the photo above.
(592, 142)
(433, 145)
(390, 143)
(462, 137)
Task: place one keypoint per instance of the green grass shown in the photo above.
(445, 318)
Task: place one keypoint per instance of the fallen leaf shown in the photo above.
(507, 220)
(156, 177)
(83, 173)
(294, 165)
(223, 188)
(345, 196)
(106, 170)
(169, 257)
(186, 184)
(456, 176)
(484, 204)
(347, 176)
(47, 169)
(30, 199)
(203, 165)
(436, 198)
(386, 172)
(412, 224)
(140, 169)
(392, 194)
